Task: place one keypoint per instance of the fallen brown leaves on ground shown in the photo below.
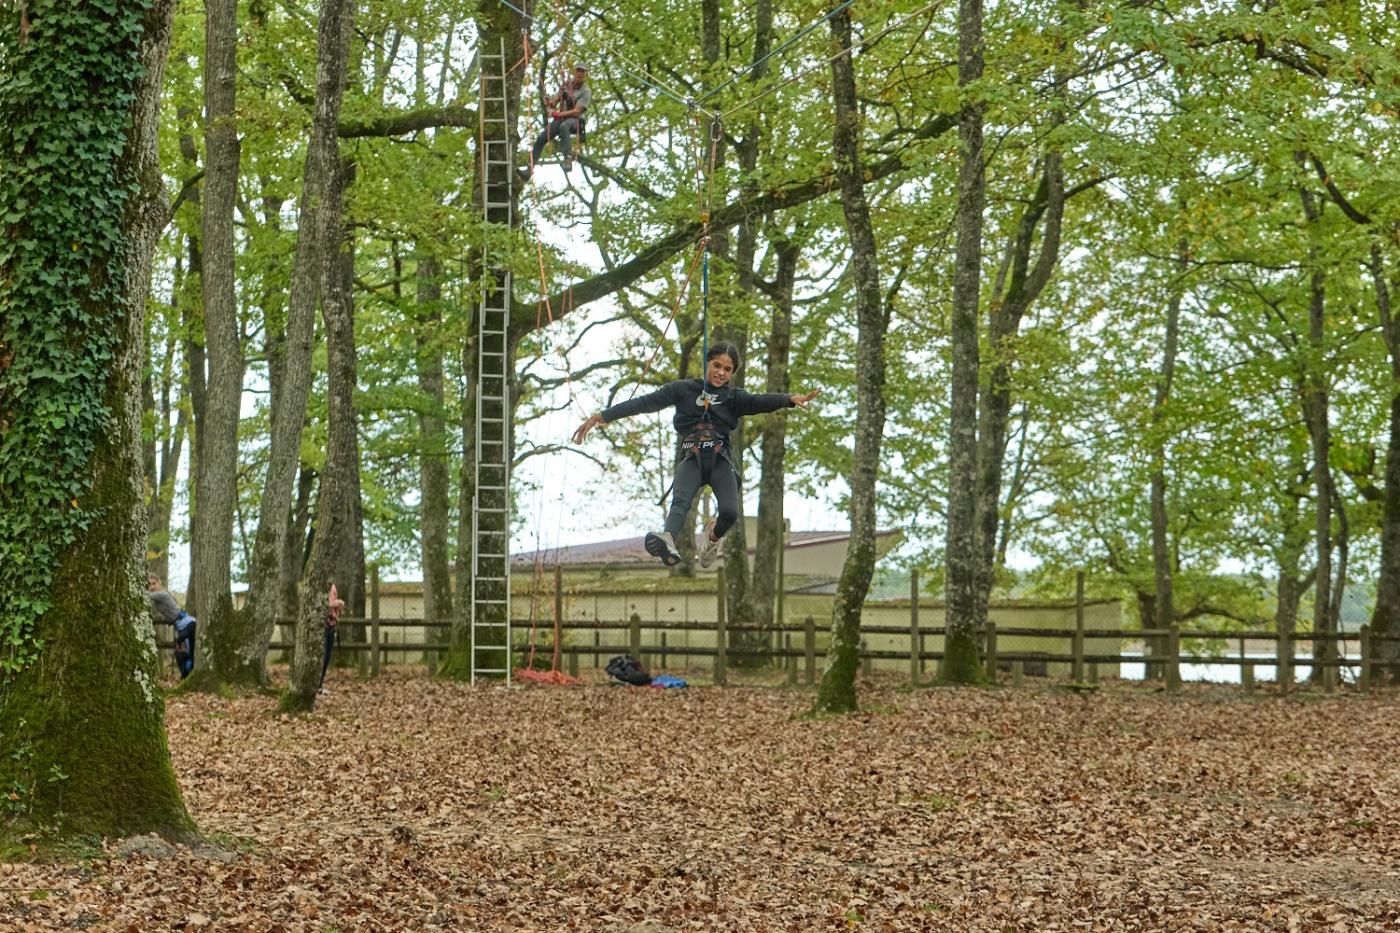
(409, 804)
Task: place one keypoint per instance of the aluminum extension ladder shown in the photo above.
(490, 607)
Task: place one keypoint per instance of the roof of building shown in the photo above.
(623, 551)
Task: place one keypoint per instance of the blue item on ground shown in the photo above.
(666, 680)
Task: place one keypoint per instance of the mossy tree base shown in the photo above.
(962, 661)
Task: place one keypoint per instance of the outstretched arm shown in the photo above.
(746, 403)
(589, 423)
(652, 401)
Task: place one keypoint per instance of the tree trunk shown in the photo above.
(497, 24)
(297, 547)
(353, 572)
(81, 714)
(1315, 410)
(332, 552)
(770, 542)
(165, 452)
(318, 221)
(434, 511)
(1026, 282)
(219, 634)
(961, 662)
(1385, 620)
(1161, 546)
(837, 691)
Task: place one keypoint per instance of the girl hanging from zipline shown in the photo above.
(706, 411)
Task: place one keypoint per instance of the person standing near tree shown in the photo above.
(334, 604)
(165, 609)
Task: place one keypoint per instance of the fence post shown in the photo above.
(721, 634)
(991, 651)
(1174, 657)
(1329, 678)
(914, 626)
(1078, 670)
(1363, 680)
(558, 614)
(634, 636)
(374, 621)
(1093, 672)
(867, 666)
(1018, 673)
(789, 659)
(1285, 662)
(597, 642)
(809, 646)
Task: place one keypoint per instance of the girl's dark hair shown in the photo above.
(727, 349)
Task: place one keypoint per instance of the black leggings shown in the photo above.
(689, 478)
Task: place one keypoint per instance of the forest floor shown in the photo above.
(409, 804)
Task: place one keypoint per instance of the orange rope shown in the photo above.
(694, 261)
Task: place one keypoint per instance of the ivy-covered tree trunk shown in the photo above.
(333, 549)
(318, 217)
(837, 691)
(432, 431)
(961, 660)
(220, 632)
(81, 713)
(773, 445)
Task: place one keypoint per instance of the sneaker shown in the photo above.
(522, 174)
(568, 163)
(661, 544)
(710, 551)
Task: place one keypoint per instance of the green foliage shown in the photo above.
(65, 102)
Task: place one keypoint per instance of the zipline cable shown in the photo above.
(846, 51)
(782, 48)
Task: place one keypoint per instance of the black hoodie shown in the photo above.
(727, 405)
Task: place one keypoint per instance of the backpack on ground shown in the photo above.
(629, 670)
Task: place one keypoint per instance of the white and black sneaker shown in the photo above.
(710, 551)
(661, 544)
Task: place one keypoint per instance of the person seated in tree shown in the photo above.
(706, 411)
(568, 110)
(165, 609)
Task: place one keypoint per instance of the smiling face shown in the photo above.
(720, 368)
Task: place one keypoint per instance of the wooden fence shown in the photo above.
(796, 647)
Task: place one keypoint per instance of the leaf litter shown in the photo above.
(409, 804)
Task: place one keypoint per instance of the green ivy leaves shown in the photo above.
(65, 114)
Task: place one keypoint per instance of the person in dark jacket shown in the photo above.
(164, 608)
(706, 411)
